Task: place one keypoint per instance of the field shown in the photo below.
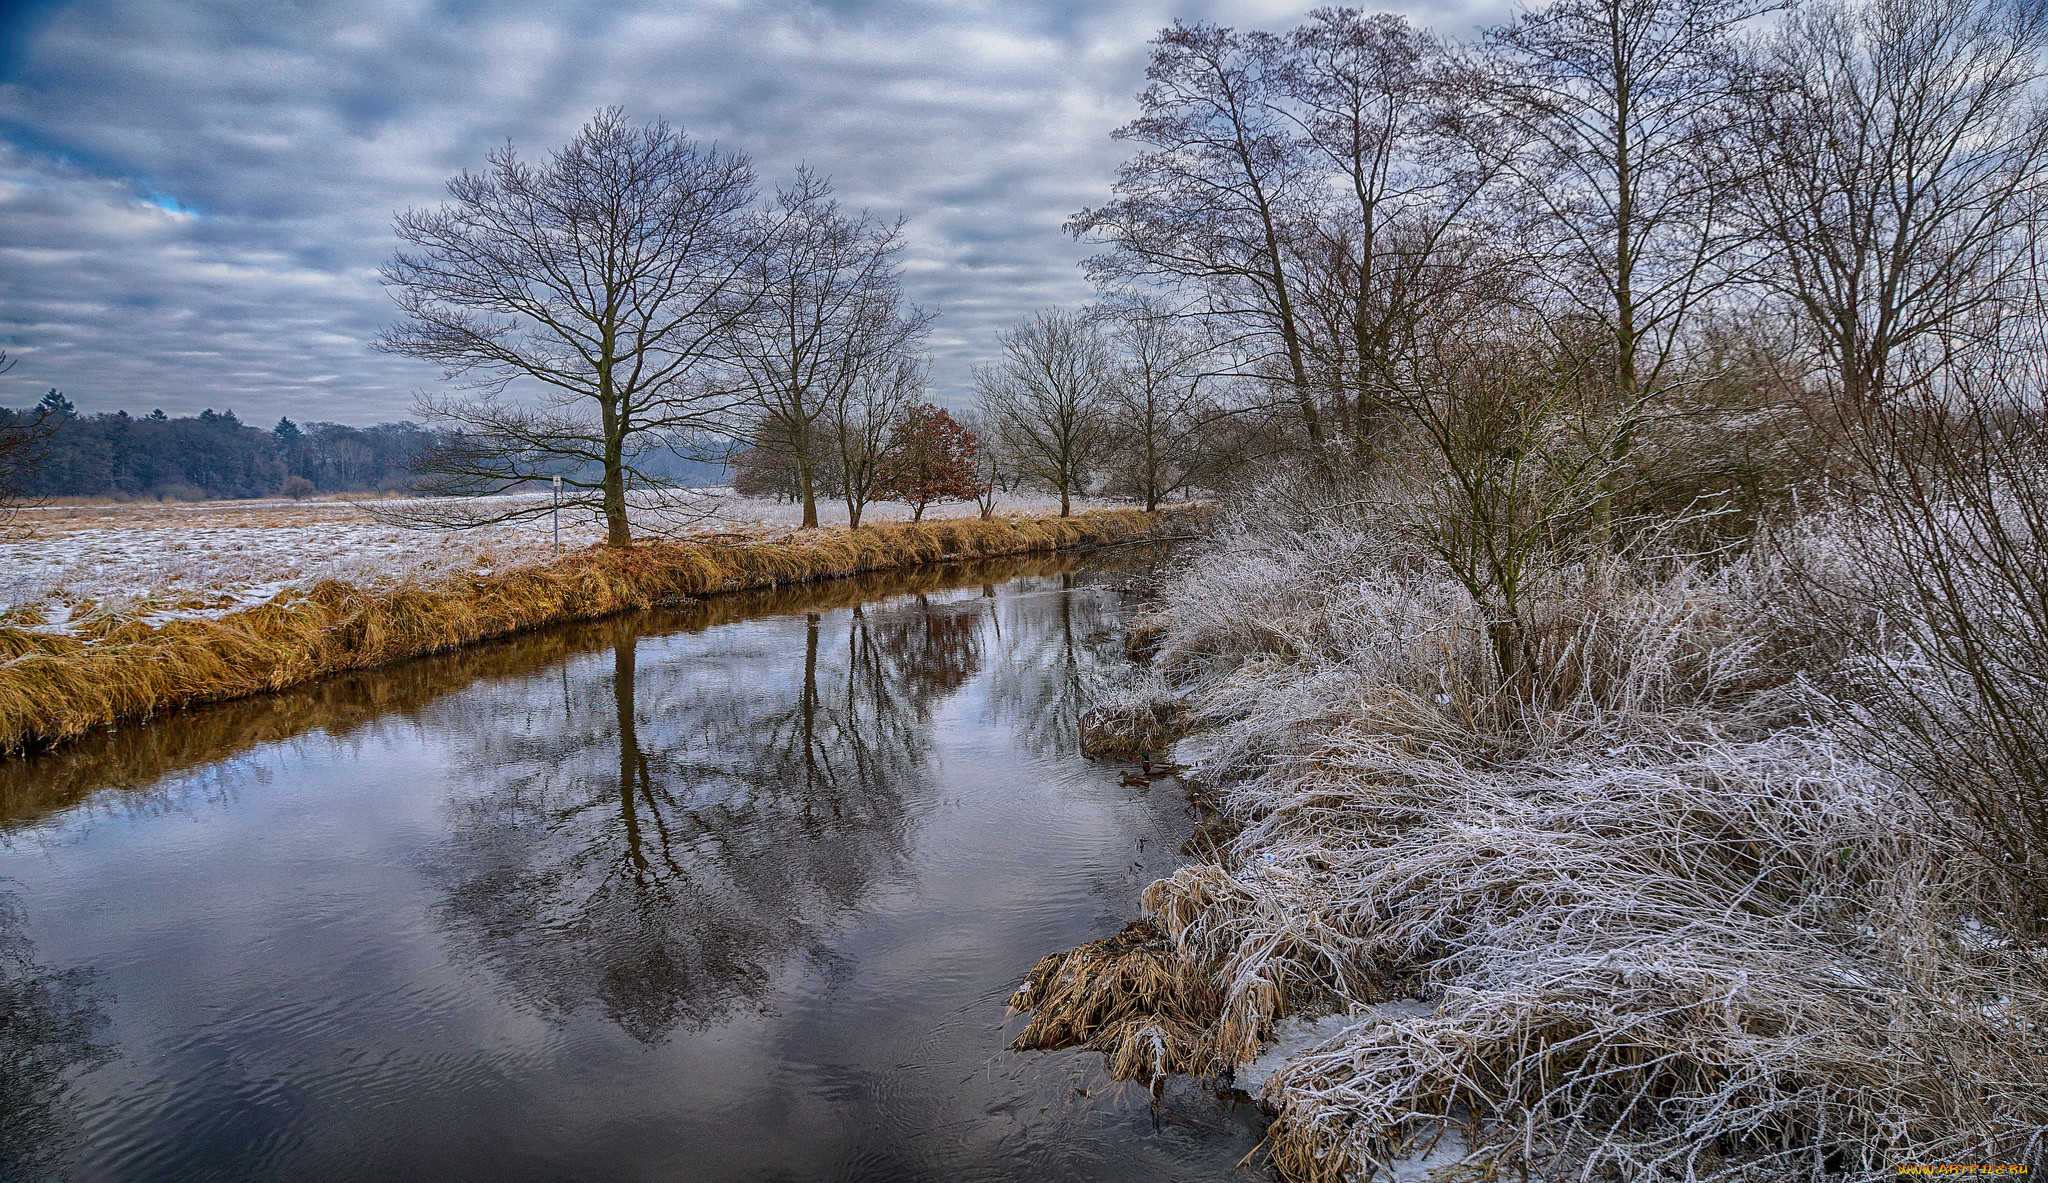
(61, 565)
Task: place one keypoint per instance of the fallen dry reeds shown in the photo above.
(1126, 997)
(55, 688)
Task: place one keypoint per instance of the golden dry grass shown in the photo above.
(1131, 997)
(54, 688)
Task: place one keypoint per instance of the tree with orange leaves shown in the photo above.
(931, 458)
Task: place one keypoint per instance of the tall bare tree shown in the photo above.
(1048, 400)
(605, 278)
(1216, 199)
(1903, 146)
(1382, 113)
(1623, 102)
(829, 316)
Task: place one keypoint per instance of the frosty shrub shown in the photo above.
(1950, 689)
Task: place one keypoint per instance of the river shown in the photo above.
(730, 891)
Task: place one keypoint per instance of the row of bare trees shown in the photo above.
(1312, 227)
(1497, 272)
(1123, 399)
(647, 302)
(1634, 171)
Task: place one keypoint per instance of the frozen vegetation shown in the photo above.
(1649, 914)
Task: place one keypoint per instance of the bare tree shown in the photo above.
(607, 276)
(22, 438)
(1048, 400)
(1159, 407)
(1500, 468)
(1903, 146)
(829, 310)
(1382, 110)
(1953, 692)
(990, 473)
(1623, 102)
(859, 422)
(1216, 200)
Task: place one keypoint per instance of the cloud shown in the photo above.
(194, 198)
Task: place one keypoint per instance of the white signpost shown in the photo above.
(558, 517)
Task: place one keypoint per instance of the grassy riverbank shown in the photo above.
(1646, 913)
(118, 669)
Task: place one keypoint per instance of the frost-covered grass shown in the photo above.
(64, 566)
(1660, 917)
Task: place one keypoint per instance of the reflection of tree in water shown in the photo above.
(48, 1020)
(935, 647)
(1051, 638)
(652, 840)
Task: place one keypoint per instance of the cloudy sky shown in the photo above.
(195, 197)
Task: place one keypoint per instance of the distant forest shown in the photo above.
(215, 455)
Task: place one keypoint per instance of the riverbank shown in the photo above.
(1648, 914)
(61, 565)
(117, 668)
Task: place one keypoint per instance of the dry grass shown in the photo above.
(1125, 997)
(62, 563)
(117, 668)
(1663, 920)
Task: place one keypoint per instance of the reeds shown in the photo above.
(1665, 921)
(54, 688)
(1126, 997)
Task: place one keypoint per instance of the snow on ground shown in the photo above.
(60, 565)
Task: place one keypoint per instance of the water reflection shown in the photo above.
(1048, 651)
(49, 1023)
(679, 820)
(634, 899)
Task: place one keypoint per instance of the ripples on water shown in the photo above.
(733, 891)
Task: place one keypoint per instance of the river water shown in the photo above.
(733, 891)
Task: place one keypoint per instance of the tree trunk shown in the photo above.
(630, 762)
(810, 496)
(1506, 634)
(810, 699)
(1624, 314)
(617, 532)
